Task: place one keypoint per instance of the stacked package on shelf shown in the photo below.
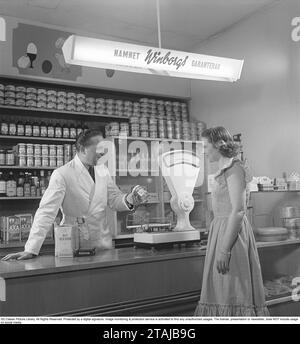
(280, 184)
(17, 227)
(265, 184)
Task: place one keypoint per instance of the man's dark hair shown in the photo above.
(84, 138)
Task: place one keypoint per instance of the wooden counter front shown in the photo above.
(124, 282)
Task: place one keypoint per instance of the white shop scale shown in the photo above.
(182, 170)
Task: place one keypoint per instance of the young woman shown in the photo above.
(232, 281)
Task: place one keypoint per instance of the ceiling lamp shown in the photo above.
(2, 29)
(99, 53)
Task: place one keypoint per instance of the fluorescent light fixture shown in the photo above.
(126, 57)
(2, 29)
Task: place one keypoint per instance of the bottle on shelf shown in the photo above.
(36, 129)
(78, 129)
(12, 130)
(27, 185)
(4, 127)
(85, 127)
(48, 177)
(32, 186)
(2, 185)
(28, 129)
(50, 130)
(20, 128)
(43, 130)
(58, 131)
(43, 185)
(73, 131)
(66, 131)
(11, 185)
(20, 185)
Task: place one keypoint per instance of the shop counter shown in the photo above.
(130, 282)
(125, 282)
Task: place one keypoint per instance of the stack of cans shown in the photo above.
(71, 101)
(201, 126)
(124, 129)
(153, 127)
(80, 102)
(144, 127)
(162, 128)
(178, 130)
(90, 104)
(186, 130)
(134, 126)
(118, 110)
(109, 107)
(170, 129)
(193, 131)
(160, 108)
(100, 106)
(112, 129)
(128, 108)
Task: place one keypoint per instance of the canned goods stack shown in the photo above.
(148, 107)
(118, 108)
(201, 126)
(112, 129)
(1, 94)
(144, 127)
(162, 128)
(178, 130)
(134, 122)
(128, 109)
(100, 106)
(124, 129)
(90, 104)
(153, 133)
(186, 131)
(7, 157)
(109, 106)
(193, 131)
(160, 108)
(80, 102)
(170, 129)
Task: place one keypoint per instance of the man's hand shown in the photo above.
(138, 195)
(19, 256)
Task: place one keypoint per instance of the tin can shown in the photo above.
(135, 133)
(20, 102)
(20, 95)
(52, 161)
(31, 90)
(45, 150)
(51, 105)
(41, 91)
(80, 96)
(29, 149)
(37, 149)
(9, 88)
(2, 101)
(30, 161)
(67, 149)
(10, 101)
(22, 160)
(2, 87)
(51, 93)
(31, 96)
(144, 127)
(45, 161)
(62, 94)
(52, 150)
(144, 134)
(61, 106)
(59, 150)
(60, 161)
(20, 89)
(2, 157)
(37, 161)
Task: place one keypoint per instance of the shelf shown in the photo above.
(260, 244)
(16, 244)
(26, 168)
(18, 198)
(35, 138)
(85, 114)
(135, 171)
(150, 139)
(270, 191)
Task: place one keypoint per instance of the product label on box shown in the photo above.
(64, 241)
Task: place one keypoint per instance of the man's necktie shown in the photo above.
(92, 172)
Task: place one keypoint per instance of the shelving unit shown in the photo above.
(95, 120)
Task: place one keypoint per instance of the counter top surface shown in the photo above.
(46, 264)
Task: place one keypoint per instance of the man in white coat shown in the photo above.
(80, 188)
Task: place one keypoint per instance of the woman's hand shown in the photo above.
(223, 259)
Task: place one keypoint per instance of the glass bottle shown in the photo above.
(27, 185)
(58, 131)
(20, 128)
(73, 131)
(2, 185)
(11, 185)
(42, 182)
(36, 129)
(43, 130)
(78, 129)
(20, 185)
(32, 186)
(28, 129)
(50, 130)
(4, 127)
(66, 131)
(12, 128)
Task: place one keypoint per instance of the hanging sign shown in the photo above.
(105, 54)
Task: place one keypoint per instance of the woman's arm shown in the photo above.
(237, 192)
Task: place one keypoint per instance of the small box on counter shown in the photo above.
(10, 228)
(66, 240)
(25, 225)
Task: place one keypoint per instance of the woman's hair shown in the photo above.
(84, 138)
(222, 140)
